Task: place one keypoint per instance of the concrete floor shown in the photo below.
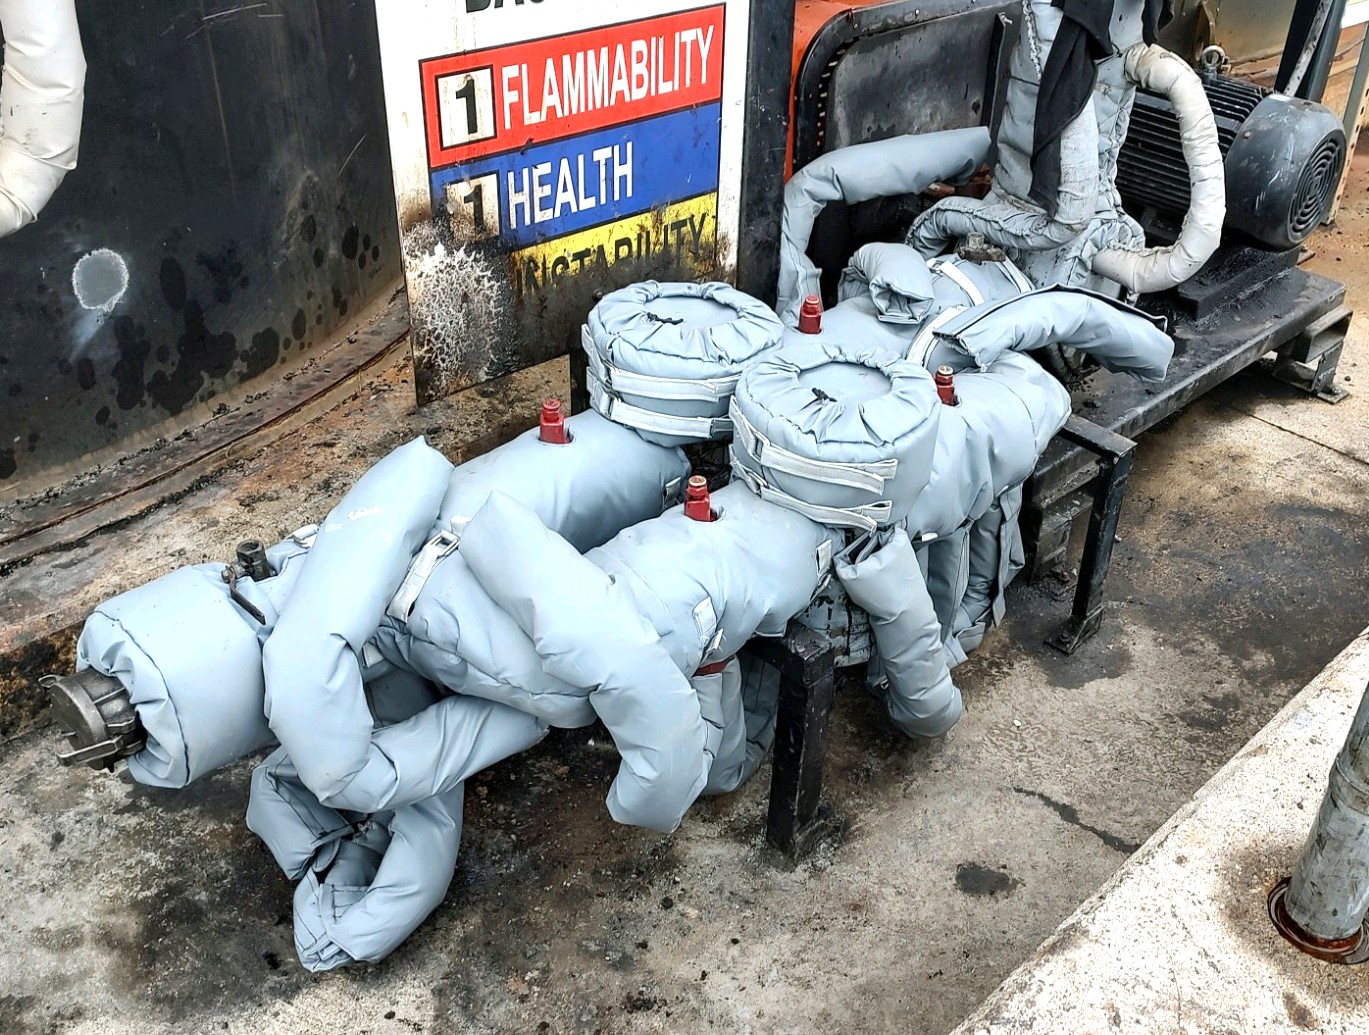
(1244, 568)
(1180, 940)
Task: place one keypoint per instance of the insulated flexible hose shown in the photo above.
(41, 97)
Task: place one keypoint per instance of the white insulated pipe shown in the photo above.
(1156, 269)
(42, 93)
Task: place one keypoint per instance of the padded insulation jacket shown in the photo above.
(906, 288)
(841, 433)
(365, 883)
(887, 582)
(646, 609)
(606, 478)
(191, 660)
(594, 637)
(315, 702)
(665, 357)
(368, 882)
(900, 165)
(994, 555)
(1123, 339)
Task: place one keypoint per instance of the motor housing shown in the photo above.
(1284, 158)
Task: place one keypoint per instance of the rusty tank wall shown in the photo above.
(232, 209)
(1246, 29)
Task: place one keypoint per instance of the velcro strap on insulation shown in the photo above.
(611, 406)
(921, 348)
(420, 569)
(868, 477)
(947, 267)
(867, 517)
(676, 389)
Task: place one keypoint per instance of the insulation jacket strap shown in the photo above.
(439, 546)
(1016, 276)
(867, 518)
(920, 351)
(946, 266)
(612, 406)
(676, 389)
(869, 477)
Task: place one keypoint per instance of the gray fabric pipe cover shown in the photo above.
(895, 277)
(995, 556)
(368, 885)
(887, 582)
(710, 586)
(659, 352)
(1006, 217)
(593, 636)
(900, 165)
(191, 661)
(857, 319)
(838, 404)
(315, 702)
(987, 445)
(907, 288)
(374, 895)
(1123, 339)
(606, 478)
(655, 602)
(461, 639)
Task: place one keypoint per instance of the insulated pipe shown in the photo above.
(1328, 895)
(41, 96)
(1156, 69)
(900, 165)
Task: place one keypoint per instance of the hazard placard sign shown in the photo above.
(548, 150)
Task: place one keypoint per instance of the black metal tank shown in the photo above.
(232, 209)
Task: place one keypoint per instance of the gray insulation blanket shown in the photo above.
(899, 165)
(883, 577)
(473, 646)
(367, 881)
(906, 288)
(993, 555)
(315, 701)
(842, 433)
(988, 443)
(934, 325)
(606, 479)
(191, 660)
(646, 610)
(1123, 339)
(664, 357)
(966, 520)
(1005, 216)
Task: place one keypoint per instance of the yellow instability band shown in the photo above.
(688, 229)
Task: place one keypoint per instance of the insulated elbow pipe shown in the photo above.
(1156, 269)
(41, 97)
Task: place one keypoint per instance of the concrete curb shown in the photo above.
(1179, 939)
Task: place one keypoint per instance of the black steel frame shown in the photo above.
(1115, 455)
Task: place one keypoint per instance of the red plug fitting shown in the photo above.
(552, 425)
(945, 385)
(697, 505)
(810, 315)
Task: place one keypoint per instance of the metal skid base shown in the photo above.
(1244, 306)
(1253, 304)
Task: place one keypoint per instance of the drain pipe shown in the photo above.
(41, 96)
(1321, 908)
